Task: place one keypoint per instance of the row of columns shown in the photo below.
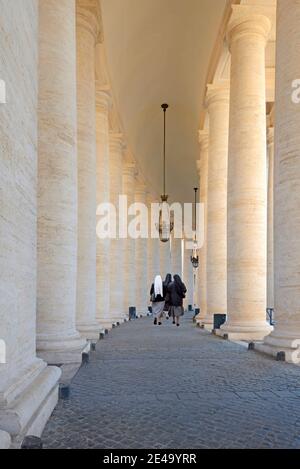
(85, 283)
(63, 284)
(233, 274)
(251, 222)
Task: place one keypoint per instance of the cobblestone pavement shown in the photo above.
(166, 387)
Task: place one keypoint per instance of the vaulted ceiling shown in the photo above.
(159, 51)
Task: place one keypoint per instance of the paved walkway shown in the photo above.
(167, 387)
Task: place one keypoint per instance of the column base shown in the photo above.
(142, 312)
(59, 350)
(206, 323)
(199, 318)
(89, 331)
(283, 346)
(106, 324)
(5, 440)
(245, 331)
(117, 318)
(112, 322)
(27, 403)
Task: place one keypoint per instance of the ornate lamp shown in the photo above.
(194, 256)
(166, 224)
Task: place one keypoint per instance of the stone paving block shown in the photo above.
(146, 387)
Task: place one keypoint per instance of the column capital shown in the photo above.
(248, 25)
(88, 16)
(103, 98)
(203, 137)
(217, 93)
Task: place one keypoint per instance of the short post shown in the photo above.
(132, 313)
(32, 442)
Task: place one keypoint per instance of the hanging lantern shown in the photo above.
(166, 223)
(195, 256)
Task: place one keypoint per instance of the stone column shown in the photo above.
(116, 254)
(176, 256)
(88, 20)
(217, 102)
(188, 276)
(28, 388)
(165, 259)
(196, 272)
(286, 334)
(247, 36)
(103, 102)
(196, 288)
(141, 258)
(203, 140)
(270, 242)
(57, 338)
(130, 280)
(153, 248)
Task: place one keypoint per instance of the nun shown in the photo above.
(167, 282)
(177, 291)
(158, 295)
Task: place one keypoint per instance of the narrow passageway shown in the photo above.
(169, 387)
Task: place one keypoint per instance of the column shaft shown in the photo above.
(165, 259)
(103, 101)
(129, 244)
(270, 242)
(218, 109)
(204, 155)
(28, 388)
(153, 249)
(87, 32)
(188, 276)
(246, 223)
(286, 334)
(57, 338)
(141, 258)
(176, 256)
(116, 245)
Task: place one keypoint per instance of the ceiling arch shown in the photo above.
(159, 51)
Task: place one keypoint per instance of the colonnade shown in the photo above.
(251, 221)
(61, 284)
